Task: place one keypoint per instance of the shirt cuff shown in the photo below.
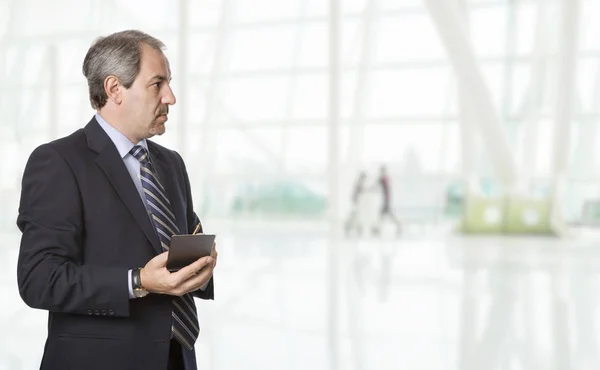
(203, 287)
(131, 295)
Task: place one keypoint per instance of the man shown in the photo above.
(98, 209)
(386, 211)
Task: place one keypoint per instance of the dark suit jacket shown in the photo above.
(84, 226)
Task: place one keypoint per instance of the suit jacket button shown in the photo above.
(111, 312)
(90, 312)
(103, 312)
(96, 312)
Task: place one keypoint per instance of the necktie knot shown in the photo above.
(140, 153)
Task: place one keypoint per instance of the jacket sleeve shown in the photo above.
(50, 271)
(193, 221)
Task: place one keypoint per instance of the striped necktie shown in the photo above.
(184, 326)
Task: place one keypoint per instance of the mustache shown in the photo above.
(163, 110)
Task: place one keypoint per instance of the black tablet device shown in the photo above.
(186, 249)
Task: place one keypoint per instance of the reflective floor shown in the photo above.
(429, 300)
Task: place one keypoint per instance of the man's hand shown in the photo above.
(157, 279)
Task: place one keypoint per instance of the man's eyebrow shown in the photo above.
(159, 78)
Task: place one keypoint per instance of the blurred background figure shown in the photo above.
(353, 221)
(383, 184)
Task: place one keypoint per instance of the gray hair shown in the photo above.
(119, 55)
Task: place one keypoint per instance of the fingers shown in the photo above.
(195, 282)
(190, 270)
(193, 276)
(214, 254)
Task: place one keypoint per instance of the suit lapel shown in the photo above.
(113, 167)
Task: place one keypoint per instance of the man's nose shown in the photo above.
(169, 97)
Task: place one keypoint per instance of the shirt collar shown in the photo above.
(121, 141)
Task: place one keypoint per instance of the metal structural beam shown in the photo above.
(446, 18)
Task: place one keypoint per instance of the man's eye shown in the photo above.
(157, 84)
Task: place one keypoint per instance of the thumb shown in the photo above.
(160, 260)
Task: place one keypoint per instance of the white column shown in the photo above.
(333, 299)
(449, 24)
(595, 168)
(281, 158)
(468, 144)
(562, 135)
(564, 108)
(355, 154)
(8, 98)
(53, 92)
(182, 71)
(507, 89)
(208, 137)
(511, 32)
(532, 104)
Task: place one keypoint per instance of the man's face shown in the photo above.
(146, 102)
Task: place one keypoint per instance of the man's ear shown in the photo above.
(113, 89)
